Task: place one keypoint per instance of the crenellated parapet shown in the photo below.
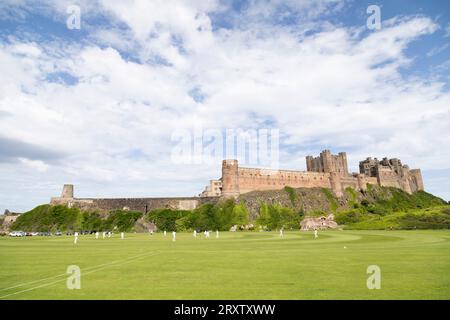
(324, 171)
(327, 162)
(392, 173)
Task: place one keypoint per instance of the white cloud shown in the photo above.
(333, 88)
(38, 165)
(447, 31)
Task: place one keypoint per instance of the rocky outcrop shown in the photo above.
(302, 199)
(319, 223)
(141, 225)
(7, 220)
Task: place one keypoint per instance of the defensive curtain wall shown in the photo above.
(324, 171)
(134, 204)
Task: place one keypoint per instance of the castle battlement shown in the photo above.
(324, 171)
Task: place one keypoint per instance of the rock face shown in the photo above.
(144, 226)
(306, 200)
(319, 223)
(7, 220)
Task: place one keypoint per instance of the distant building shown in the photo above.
(213, 190)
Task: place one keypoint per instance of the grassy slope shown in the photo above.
(414, 265)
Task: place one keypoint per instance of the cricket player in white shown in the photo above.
(122, 235)
(281, 233)
(174, 236)
(75, 235)
(217, 234)
(315, 234)
(96, 235)
(195, 234)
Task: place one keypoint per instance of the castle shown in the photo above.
(325, 171)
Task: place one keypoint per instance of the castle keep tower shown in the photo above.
(327, 162)
(335, 165)
(230, 178)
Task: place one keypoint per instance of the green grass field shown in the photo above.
(414, 265)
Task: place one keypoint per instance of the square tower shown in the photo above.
(327, 162)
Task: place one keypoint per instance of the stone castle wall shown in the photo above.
(134, 204)
(325, 171)
(259, 179)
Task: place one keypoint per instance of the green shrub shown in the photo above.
(165, 219)
(121, 220)
(92, 221)
(424, 221)
(331, 199)
(276, 217)
(292, 194)
(45, 218)
(220, 216)
(377, 209)
(349, 216)
(52, 218)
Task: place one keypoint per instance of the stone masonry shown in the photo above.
(325, 171)
(134, 204)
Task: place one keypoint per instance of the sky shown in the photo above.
(108, 105)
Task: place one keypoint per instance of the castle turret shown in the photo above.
(362, 183)
(342, 163)
(416, 177)
(327, 161)
(66, 196)
(336, 186)
(67, 191)
(309, 163)
(230, 178)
